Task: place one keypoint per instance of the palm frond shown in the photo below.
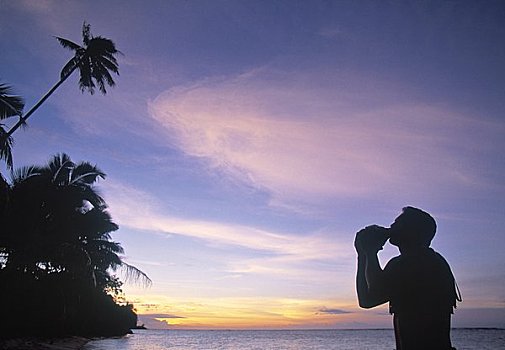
(24, 173)
(93, 197)
(110, 246)
(60, 166)
(86, 34)
(135, 275)
(67, 44)
(85, 81)
(109, 64)
(100, 46)
(110, 56)
(102, 76)
(6, 142)
(10, 104)
(87, 173)
(97, 223)
(99, 76)
(58, 160)
(69, 67)
(104, 253)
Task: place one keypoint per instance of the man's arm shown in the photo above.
(370, 278)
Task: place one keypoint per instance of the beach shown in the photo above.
(68, 343)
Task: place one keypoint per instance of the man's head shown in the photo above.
(414, 228)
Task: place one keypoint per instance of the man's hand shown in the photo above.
(369, 275)
(370, 240)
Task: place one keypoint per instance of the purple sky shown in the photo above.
(247, 141)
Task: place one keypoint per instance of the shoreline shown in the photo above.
(67, 343)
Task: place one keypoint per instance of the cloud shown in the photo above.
(39, 7)
(301, 141)
(162, 316)
(145, 262)
(146, 215)
(332, 33)
(326, 310)
(311, 258)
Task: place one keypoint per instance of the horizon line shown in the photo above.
(297, 329)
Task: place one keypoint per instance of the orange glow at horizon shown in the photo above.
(251, 313)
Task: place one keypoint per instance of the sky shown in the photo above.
(247, 141)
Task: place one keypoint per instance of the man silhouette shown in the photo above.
(418, 284)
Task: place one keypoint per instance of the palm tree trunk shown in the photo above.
(25, 117)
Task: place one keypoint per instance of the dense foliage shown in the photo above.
(56, 254)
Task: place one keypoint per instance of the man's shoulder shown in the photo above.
(438, 255)
(393, 262)
(429, 261)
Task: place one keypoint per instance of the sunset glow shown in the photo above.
(245, 313)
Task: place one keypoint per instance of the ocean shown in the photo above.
(383, 339)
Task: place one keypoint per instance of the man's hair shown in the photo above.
(422, 224)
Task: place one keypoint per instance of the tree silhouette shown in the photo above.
(57, 223)
(95, 60)
(57, 257)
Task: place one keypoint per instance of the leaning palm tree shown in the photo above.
(95, 60)
(10, 105)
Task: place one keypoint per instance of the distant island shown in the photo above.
(142, 326)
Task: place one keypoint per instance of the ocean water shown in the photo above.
(462, 339)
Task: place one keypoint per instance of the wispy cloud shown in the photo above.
(332, 33)
(144, 215)
(298, 141)
(163, 316)
(330, 311)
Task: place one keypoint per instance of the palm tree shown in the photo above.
(57, 257)
(10, 105)
(95, 59)
(57, 223)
